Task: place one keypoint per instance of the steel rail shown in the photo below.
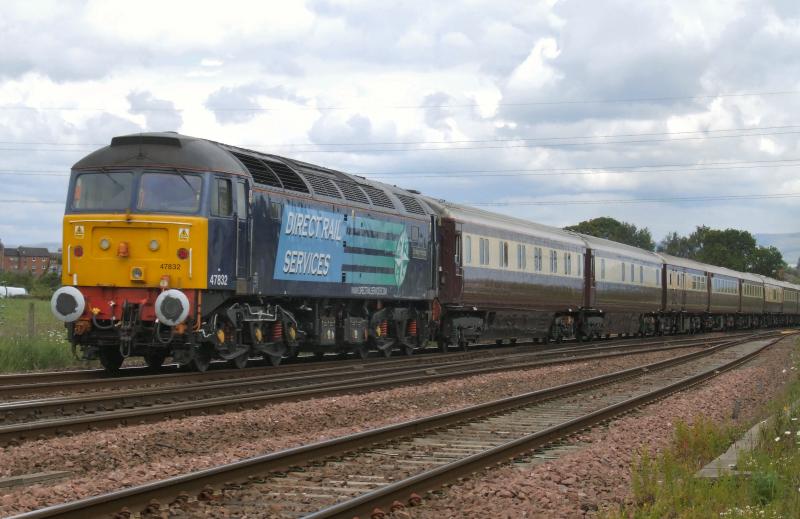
(17, 432)
(32, 383)
(168, 489)
(141, 397)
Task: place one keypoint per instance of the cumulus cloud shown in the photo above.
(241, 104)
(160, 114)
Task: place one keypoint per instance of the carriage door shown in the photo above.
(450, 262)
(589, 280)
(242, 235)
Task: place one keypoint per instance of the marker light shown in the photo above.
(137, 273)
(154, 245)
(78, 251)
(105, 244)
(183, 253)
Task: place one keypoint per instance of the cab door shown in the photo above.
(242, 217)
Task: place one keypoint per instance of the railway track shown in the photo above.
(24, 420)
(355, 474)
(32, 384)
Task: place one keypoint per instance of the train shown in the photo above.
(186, 248)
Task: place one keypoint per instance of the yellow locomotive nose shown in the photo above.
(140, 250)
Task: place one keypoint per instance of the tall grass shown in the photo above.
(47, 348)
(665, 486)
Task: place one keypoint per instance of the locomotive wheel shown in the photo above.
(443, 345)
(155, 360)
(409, 350)
(111, 359)
(387, 352)
(240, 362)
(275, 360)
(202, 358)
(362, 351)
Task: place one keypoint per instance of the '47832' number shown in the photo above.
(218, 280)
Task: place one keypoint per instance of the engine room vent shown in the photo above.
(411, 204)
(289, 178)
(352, 192)
(261, 173)
(323, 186)
(378, 197)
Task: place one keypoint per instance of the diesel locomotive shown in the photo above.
(181, 247)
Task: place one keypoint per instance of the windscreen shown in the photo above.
(169, 192)
(103, 191)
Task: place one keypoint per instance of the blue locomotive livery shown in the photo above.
(182, 247)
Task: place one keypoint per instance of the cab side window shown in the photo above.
(241, 200)
(221, 197)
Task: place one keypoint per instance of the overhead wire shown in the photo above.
(418, 106)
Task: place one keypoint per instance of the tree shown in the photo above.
(676, 245)
(614, 230)
(768, 261)
(730, 248)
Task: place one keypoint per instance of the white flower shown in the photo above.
(787, 433)
(777, 438)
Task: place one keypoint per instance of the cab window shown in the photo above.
(103, 191)
(169, 192)
(221, 199)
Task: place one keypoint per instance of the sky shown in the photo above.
(666, 114)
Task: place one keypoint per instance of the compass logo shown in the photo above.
(401, 259)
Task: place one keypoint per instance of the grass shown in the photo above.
(46, 349)
(664, 486)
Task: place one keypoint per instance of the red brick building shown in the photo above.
(35, 260)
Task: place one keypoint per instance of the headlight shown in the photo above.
(137, 273)
(105, 244)
(154, 245)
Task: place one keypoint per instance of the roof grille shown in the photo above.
(323, 186)
(260, 172)
(378, 197)
(410, 203)
(289, 178)
(146, 139)
(352, 192)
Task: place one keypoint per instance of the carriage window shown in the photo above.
(602, 268)
(521, 259)
(468, 249)
(623, 271)
(632, 278)
(503, 253)
(553, 262)
(275, 210)
(483, 245)
(106, 190)
(641, 274)
(537, 259)
(221, 199)
(580, 264)
(567, 263)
